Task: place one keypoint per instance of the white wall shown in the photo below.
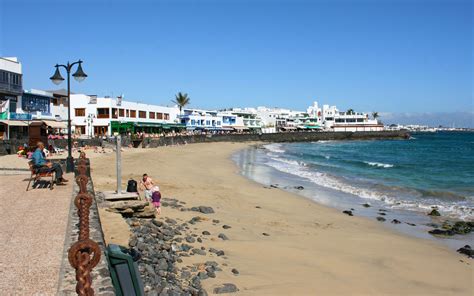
(83, 101)
(10, 64)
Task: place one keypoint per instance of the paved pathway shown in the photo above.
(32, 233)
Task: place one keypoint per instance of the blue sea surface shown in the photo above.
(407, 177)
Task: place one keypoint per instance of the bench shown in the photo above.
(37, 174)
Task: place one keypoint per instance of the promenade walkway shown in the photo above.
(32, 233)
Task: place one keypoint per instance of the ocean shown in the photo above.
(407, 178)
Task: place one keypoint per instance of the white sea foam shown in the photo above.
(275, 147)
(379, 164)
(300, 169)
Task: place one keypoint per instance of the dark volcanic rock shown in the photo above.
(226, 226)
(226, 288)
(462, 227)
(203, 209)
(459, 227)
(266, 234)
(466, 250)
(190, 239)
(205, 232)
(395, 221)
(434, 212)
(381, 219)
(198, 251)
(348, 213)
(258, 207)
(235, 271)
(299, 187)
(441, 232)
(222, 236)
(366, 205)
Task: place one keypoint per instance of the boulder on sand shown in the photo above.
(132, 208)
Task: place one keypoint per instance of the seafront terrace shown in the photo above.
(33, 231)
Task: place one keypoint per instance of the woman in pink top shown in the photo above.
(146, 184)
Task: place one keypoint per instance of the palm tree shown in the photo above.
(350, 111)
(181, 100)
(375, 115)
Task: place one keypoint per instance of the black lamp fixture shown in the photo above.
(79, 75)
(57, 79)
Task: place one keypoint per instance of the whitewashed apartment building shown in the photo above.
(93, 116)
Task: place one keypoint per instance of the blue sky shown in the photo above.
(389, 56)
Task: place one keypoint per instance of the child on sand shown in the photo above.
(156, 198)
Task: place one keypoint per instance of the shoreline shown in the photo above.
(412, 223)
(321, 245)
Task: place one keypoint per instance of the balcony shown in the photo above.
(9, 88)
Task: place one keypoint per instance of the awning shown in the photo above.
(55, 124)
(148, 124)
(16, 123)
(240, 128)
(4, 121)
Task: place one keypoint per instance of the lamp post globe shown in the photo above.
(57, 78)
(79, 75)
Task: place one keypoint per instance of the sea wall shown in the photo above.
(274, 137)
(10, 146)
(101, 280)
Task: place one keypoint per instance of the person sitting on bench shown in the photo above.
(42, 164)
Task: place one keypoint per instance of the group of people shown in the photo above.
(151, 192)
(147, 185)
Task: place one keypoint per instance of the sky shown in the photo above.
(391, 56)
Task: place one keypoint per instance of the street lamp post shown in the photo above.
(57, 79)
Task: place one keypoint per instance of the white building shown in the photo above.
(198, 119)
(12, 119)
(94, 116)
(333, 119)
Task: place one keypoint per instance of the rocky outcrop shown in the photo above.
(132, 208)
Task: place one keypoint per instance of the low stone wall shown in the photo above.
(274, 137)
(10, 146)
(101, 280)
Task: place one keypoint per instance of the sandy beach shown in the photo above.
(309, 250)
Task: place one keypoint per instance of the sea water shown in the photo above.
(405, 178)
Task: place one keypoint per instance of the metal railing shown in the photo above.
(85, 253)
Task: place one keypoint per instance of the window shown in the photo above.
(114, 113)
(166, 116)
(128, 113)
(80, 112)
(100, 130)
(360, 120)
(133, 113)
(193, 122)
(159, 115)
(103, 113)
(121, 113)
(208, 122)
(218, 123)
(80, 129)
(151, 115)
(142, 114)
